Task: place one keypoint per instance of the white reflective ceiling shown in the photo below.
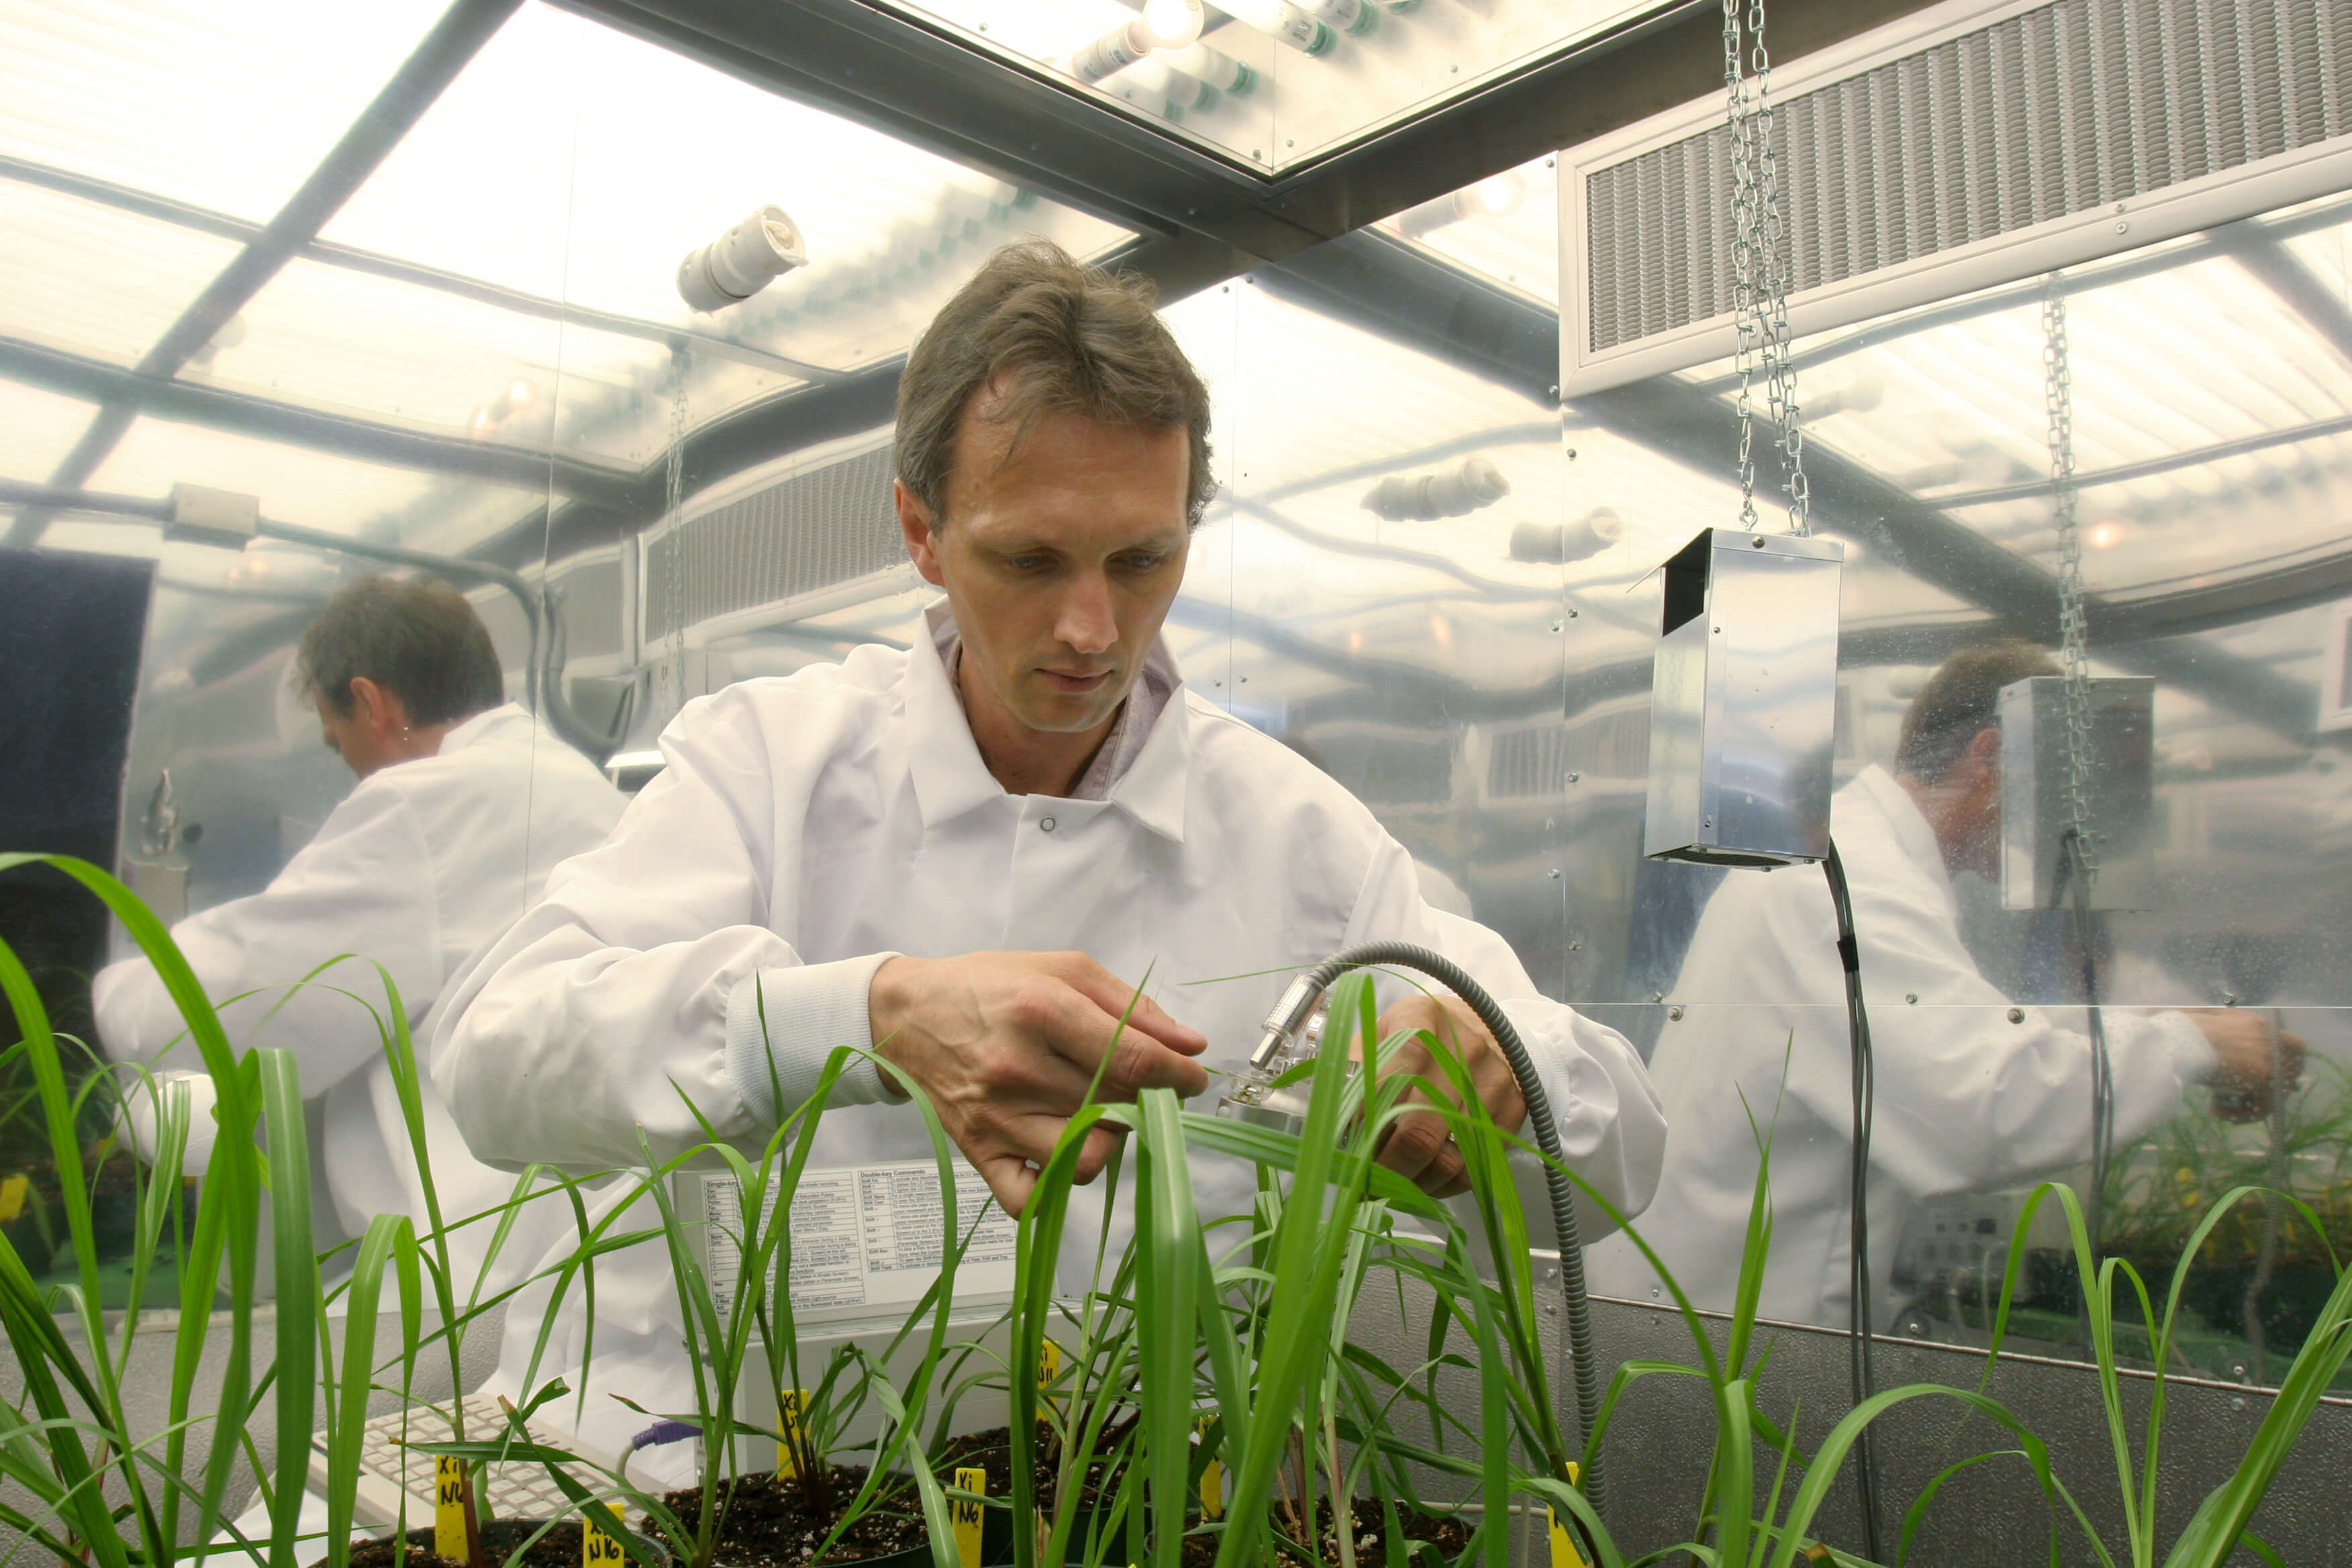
(508, 275)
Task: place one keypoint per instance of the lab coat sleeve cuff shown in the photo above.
(2185, 1047)
(782, 1025)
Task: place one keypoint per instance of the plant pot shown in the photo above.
(991, 1450)
(767, 1529)
(559, 1548)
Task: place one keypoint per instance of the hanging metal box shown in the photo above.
(1743, 704)
(2035, 818)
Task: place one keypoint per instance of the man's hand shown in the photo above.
(2245, 1064)
(1006, 1043)
(1419, 1146)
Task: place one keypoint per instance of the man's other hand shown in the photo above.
(2244, 1070)
(1419, 1145)
(1006, 1043)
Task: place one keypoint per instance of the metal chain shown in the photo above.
(674, 495)
(1761, 267)
(2058, 397)
(1746, 325)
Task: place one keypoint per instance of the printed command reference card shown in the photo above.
(865, 1239)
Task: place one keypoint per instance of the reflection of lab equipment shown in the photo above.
(1561, 543)
(1451, 492)
(2037, 810)
(742, 261)
(632, 770)
(1743, 708)
(1491, 197)
(1294, 1033)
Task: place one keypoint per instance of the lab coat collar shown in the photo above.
(950, 779)
(484, 726)
(1904, 820)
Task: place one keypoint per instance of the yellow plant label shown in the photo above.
(788, 1406)
(449, 1507)
(966, 1512)
(1212, 1478)
(12, 1196)
(598, 1550)
(1564, 1553)
(1049, 1367)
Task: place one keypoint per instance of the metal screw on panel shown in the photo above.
(2229, 998)
(1706, 822)
(1290, 143)
(1576, 947)
(1553, 873)
(1674, 1015)
(1245, 680)
(1758, 541)
(1576, 778)
(1718, 631)
(2017, 1015)
(1555, 626)
(2123, 228)
(1571, 615)
(1571, 454)
(1657, 997)
(1912, 997)
(1216, 683)
(1555, 391)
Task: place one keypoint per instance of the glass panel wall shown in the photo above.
(2209, 385)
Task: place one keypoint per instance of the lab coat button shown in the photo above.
(1046, 823)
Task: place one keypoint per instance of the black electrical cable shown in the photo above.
(1865, 1091)
(1585, 1369)
(2103, 1082)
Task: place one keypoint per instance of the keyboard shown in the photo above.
(392, 1474)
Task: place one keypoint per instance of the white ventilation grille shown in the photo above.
(812, 530)
(2056, 111)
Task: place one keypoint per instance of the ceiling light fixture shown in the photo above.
(1214, 67)
(1285, 23)
(1164, 25)
(742, 261)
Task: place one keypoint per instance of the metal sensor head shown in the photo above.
(1294, 1033)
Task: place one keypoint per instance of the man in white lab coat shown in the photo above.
(964, 857)
(1972, 1094)
(463, 805)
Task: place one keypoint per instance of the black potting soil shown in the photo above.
(993, 1452)
(766, 1522)
(559, 1548)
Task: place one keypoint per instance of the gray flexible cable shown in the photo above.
(1578, 1312)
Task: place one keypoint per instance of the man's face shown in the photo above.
(1977, 806)
(1060, 565)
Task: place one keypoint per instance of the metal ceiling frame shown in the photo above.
(1209, 217)
(1204, 219)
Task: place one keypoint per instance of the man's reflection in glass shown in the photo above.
(462, 808)
(1973, 1093)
